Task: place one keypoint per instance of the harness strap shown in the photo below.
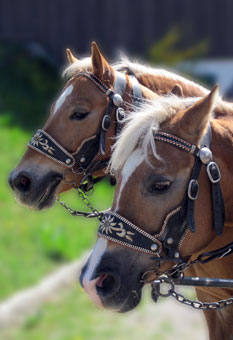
(193, 188)
(218, 208)
(120, 84)
(137, 93)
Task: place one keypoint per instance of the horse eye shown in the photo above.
(79, 115)
(159, 187)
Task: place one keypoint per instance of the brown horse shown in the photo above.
(75, 143)
(163, 165)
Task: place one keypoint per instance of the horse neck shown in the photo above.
(222, 148)
(161, 84)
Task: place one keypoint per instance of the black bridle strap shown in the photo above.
(43, 143)
(213, 174)
(218, 208)
(192, 198)
(118, 229)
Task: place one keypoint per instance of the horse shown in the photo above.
(172, 210)
(75, 142)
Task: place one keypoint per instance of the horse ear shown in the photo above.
(177, 90)
(71, 58)
(99, 65)
(194, 120)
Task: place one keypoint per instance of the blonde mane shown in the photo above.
(131, 68)
(142, 124)
(138, 70)
(81, 65)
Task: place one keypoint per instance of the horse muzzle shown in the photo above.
(37, 192)
(110, 286)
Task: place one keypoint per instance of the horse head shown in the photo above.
(162, 168)
(76, 139)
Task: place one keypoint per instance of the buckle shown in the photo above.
(106, 122)
(120, 115)
(193, 189)
(213, 172)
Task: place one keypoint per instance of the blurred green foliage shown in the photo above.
(33, 243)
(168, 51)
(28, 83)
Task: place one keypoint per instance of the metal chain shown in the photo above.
(94, 212)
(180, 268)
(201, 305)
(85, 200)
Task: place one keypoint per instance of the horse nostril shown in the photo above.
(101, 279)
(22, 183)
(107, 284)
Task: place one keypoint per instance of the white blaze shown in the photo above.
(134, 160)
(88, 284)
(63, 97)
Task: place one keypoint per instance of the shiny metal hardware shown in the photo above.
(213, 172)
(117, 100)
(170, 240)
(191, 188)
(120, 115)
(106, 122)
(154, 247)
(205, 155)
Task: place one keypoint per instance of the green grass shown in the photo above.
(34, 243)
(73, 317)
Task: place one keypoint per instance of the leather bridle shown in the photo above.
(83, 161)
(166, 244)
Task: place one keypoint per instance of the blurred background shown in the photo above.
(192, 37)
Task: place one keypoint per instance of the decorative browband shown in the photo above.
(104, 88)
(46, 145)
(177, 142)
(119, 230)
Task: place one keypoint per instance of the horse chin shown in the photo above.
(132, 301)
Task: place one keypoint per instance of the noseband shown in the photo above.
(177, 222)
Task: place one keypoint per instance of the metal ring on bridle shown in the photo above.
(120, 114)
(157, 285)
